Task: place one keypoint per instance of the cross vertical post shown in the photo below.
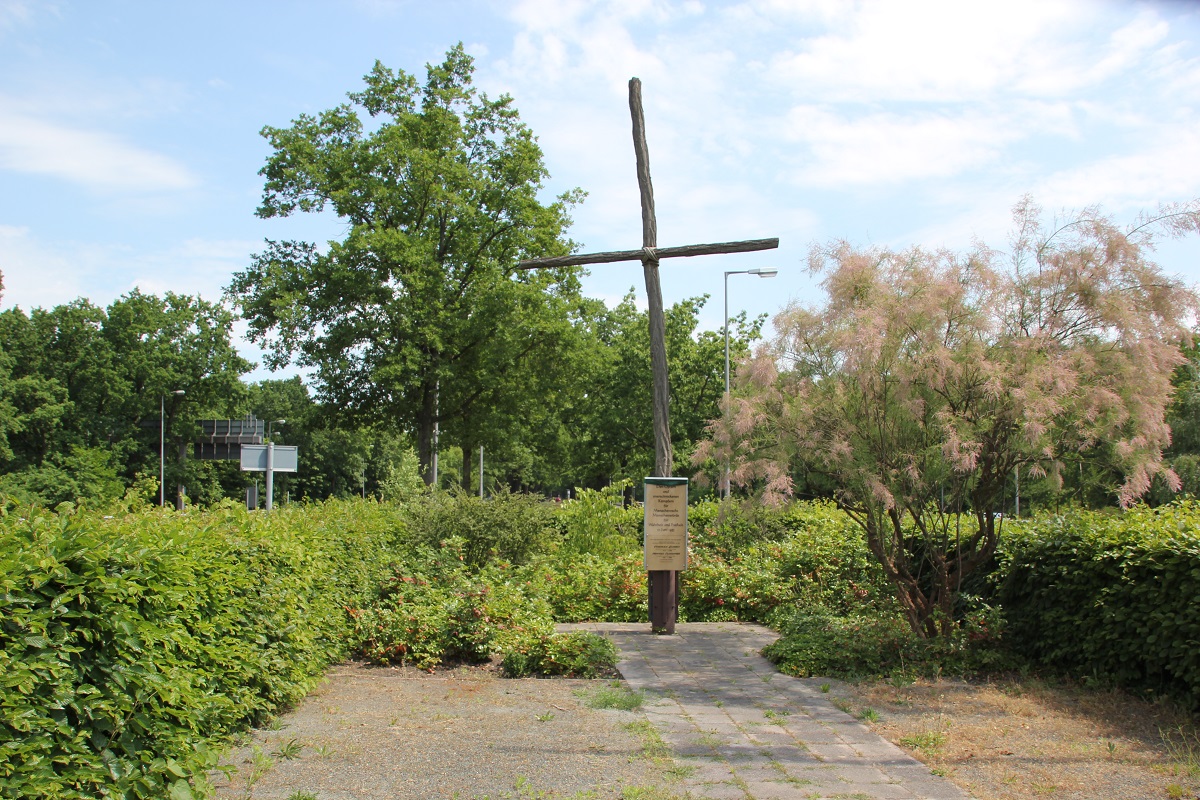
(661, 584)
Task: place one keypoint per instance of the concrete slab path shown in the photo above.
(752, 733)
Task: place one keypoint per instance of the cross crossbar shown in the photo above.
(650, 253)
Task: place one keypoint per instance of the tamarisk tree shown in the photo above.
(930, 379)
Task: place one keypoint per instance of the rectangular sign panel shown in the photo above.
(666, 524)
(254, 458)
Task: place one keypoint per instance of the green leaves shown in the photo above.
(415, 313)
(1112, 597)
(129, 643)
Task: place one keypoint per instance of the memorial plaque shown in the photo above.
(666, 524)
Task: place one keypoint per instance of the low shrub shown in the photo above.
(131, 643)
(596, 523)
(1109, 597)
(578, 654)
(586, 587)
(435, 609)
(507, 527)
(820, 642)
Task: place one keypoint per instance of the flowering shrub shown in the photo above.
(437, 609)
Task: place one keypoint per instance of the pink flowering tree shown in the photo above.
(930, 378)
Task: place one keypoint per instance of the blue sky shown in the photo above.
(129, 144)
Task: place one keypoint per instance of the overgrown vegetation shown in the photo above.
(1111, 598)
(133, 643)
(930, 382)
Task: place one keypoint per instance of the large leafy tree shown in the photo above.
(85, 384)
(417, 315)
(929, 379)
(613, 425)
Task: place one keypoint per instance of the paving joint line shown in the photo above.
(720, 690)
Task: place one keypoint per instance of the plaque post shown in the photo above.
(666, 546)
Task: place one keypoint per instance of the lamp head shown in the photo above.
(763, 272)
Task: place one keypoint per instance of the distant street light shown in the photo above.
(274, 422)
(162, 446)
(767, 272)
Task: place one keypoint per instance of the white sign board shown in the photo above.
(666, 524)
(254, 458)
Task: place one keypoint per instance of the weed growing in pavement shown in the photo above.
(260, 765)
(825, 687)
(615, 695)
(289, 750)
(1183, 747)
(650, 793)
(869, 715)
(929, 740)
(549, 715)
(302, 796)
(652, 744)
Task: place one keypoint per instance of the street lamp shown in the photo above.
(162, 446)
(767, 272)
(274, 422)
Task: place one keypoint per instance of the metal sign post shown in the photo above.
(269, 459)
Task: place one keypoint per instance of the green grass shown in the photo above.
(615, 695)
(652, 744)
(1183, 747)
(930, 740)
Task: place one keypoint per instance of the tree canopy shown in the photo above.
(416, 316)
(80, 390)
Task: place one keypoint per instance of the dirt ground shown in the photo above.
(1022, 740)
(390, 733)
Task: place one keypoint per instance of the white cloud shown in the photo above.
(888, 148)
(950, 51)
(45, 274)
(94, 159)
(1165, 166)
(14, 12)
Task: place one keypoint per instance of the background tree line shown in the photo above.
(82, 388)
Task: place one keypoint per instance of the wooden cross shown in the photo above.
(664, 605)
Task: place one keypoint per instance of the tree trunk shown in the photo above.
(468, 450)
(425, 421)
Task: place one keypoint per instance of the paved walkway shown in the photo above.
(751, 732)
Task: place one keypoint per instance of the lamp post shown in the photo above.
(767, 272)
(270, 471)
(162, 448)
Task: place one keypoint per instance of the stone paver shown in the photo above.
(752, 733)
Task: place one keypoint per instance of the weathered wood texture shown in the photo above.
(683, 251)
(664, 607)
(658, 326)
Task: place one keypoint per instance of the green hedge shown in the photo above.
(1113, 597)
(130, 644)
